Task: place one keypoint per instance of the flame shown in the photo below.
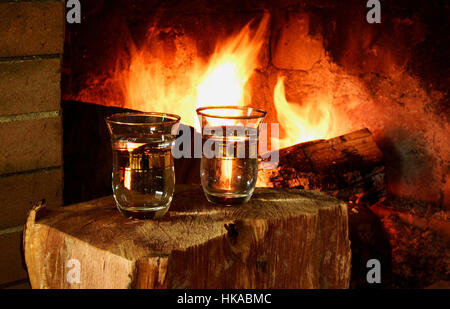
(303, 122)
(184, 83)
(129, 147)
(152, 84)
(230, 67)
(127, 178)
(227, 169)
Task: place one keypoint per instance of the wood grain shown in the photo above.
(282, 238)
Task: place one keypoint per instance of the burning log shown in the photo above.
(273, 241)
(349, 167)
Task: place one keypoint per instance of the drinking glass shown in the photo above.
(229, 164)
(143, 177)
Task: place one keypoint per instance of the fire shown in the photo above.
(152, 84)
(129, 147)
(230, 67)
(127, 178)
(227, 170)
(183, 83)
(303, 122)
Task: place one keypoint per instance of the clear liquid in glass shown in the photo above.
(230, 179)
(143, 176)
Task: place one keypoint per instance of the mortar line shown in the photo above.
(11, 230)
(32, 57)
(28, 1)
(29, 116)
(45, 169)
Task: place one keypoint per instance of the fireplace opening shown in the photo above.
(363, 108)
(321, 71)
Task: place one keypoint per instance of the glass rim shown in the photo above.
(172, 118)
(262, 113)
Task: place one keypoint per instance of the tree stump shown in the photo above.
(281, 238)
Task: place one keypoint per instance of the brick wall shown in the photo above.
(31, 45)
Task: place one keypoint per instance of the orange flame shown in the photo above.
(154, 84)
(303, 122)
(227, 170)
(185, 82)
(127, 178)
(230, 67)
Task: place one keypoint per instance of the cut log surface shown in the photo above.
(281, 238)
(349, 167)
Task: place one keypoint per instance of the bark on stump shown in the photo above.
(282, 238)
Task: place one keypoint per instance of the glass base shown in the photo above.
(144, 214)
(228, 199)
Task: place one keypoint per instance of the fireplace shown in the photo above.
(318, 68)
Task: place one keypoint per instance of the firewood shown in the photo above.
(281, 238)
(349, 167)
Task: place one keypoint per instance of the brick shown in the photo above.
(30, 144)
(11, 262)
(30, 86)
(294, 47)
(31, 28)
(18, 193)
